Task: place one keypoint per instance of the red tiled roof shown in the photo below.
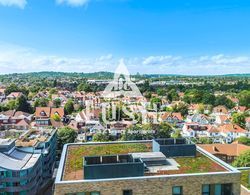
(15, 94)
(227, 149)
(48, 112)
(172, 115)
(231, 128)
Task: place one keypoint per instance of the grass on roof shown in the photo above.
(200, 164)
(245, 178)
(74, 160)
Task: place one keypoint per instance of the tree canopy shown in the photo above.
(243, 160)
(65, 135)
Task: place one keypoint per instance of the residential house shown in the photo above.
(44, 117)
(226, 152)
(13, 119)
(88, 119)
(198, 118)
(222, 119)
(14, 95)
(239, 109)
(117, 128)
(172, 118)
(230, 132)
(193, 109)
(218, 110)
(195, 130)
(234, 100)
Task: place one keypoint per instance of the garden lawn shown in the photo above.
(75, 154)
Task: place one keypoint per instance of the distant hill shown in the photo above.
(104, 75)
(50, 74)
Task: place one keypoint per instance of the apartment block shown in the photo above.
(27, 163)
(161, 166)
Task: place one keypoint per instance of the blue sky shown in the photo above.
(152, 36)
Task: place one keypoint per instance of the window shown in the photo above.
(205, 189)
(177, 190)
(216, 189)
(127, 192)
(94, 193)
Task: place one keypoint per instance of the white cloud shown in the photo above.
(20, 59)
(156, 60)
(18, 3)
(74, 3)
(105, 57)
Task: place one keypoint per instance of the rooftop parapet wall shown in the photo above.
(118, 166)
(174, 147)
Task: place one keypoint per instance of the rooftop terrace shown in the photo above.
(75, 153)
(33, 137)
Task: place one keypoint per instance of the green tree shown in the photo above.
(65, 135)
(239, 119)
(244, 140)
(57, 102)
(244, 98)
(147, 95)
(11, 88)
(52, 91)
(101, 137)
(41, 102)
(14, 88)
(11, 105)
(208, 98)
(243, 160)
(155, 101)
(201, 108)
(176, 134)
(193, 96)
(161, 92)
(22, 104)
(182, 108)
(223, 100)
(172, 95)
(3, 108)
(69, 107)
(163, 130)
(204, 140)
(84, 87)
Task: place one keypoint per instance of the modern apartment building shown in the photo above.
(20, 172)
(40, 142)
(27, 164)
(162, 166)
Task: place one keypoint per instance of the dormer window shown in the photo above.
(42, 113)
(56, 113)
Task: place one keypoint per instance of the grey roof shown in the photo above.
(18, 160)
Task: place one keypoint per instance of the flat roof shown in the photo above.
(71, 163)
(6, 142)
(33, 137)
(18, 160)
